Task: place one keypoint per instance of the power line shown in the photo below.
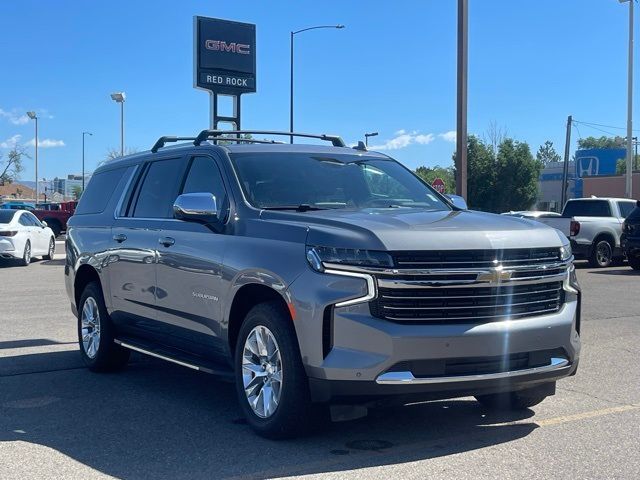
(596, 128)
(592, 124)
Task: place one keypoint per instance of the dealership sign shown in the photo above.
(224, 56)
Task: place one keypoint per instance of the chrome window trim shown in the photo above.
(125, 191)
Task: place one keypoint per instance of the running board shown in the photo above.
(182, 360)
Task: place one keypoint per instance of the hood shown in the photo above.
(416, 229)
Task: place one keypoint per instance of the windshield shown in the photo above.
(290, 180)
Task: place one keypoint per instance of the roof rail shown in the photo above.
(162, 140)
(207, 134)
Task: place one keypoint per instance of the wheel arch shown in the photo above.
(246, 297)
(84, 275)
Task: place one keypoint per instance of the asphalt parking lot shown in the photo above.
(156, 420)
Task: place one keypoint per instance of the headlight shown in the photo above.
(318, 256)
(565, 252)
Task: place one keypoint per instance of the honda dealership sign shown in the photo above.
(224, 56)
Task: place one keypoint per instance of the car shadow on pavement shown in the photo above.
(156, 420)
(624, 271)
(57, 262)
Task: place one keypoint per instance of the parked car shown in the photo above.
(594, 226)
(23, 236)
(630, 238)
(16, 206)
(314, 274)
(56, 215)
(532, 214)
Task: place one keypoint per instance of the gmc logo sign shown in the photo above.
(233, 47)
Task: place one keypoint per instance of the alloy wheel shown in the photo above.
(90, 324)
(52, 248)
(262, 371)
(603, 253)
(27, 253)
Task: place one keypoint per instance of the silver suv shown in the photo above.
(315, 275)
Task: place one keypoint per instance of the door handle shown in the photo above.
(167, 241)
(120, 237)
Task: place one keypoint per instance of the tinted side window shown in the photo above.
(587, 208)
(204, 176)
(99, 191)
(159, 189)
(24, 221)
(626, 208)
(32, 219)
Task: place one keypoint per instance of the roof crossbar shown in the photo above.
(213, 134)
(167, 139)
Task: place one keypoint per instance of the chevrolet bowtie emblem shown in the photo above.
(495, 275)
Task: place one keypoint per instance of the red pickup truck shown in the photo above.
(55, 214)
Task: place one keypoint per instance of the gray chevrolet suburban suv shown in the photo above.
(316, 275)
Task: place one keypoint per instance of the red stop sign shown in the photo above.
(439, 186)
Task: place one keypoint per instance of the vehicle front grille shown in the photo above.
(464, 304)
(470, 286)
(475, 258)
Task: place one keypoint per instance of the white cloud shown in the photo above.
(11, 142)
(14, 117)
(46, 143)
(403, 139)
(449, 136)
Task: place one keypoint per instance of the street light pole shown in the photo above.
(461, 110)
(33, 116)
(291, 65)
(83, 135)
(366, 137)
(119, 97)
(629, 173)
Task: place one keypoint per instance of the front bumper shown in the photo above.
(367, 357)
(630, 245)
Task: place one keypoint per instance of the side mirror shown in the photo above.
(457, 201)
(199, 207)
(44, 224)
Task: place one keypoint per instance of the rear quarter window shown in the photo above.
(587, 208)
(99, 191)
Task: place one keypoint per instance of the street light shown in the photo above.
(367, 135)
(83, 135)
(629, 173)
(291, 84)
(33, 116)
(119, 97)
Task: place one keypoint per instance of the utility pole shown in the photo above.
(461, 111)
(565, 168)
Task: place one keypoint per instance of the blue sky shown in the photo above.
(391, 70)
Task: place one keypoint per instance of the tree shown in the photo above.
(602, 142)
(113, 153)
(547, 154)
(517, 177)
(12, 166)
(76, 191)
(502, 180)
(429, 174)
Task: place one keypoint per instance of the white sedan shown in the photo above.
(23, 236)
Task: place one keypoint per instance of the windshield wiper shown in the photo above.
(303, 207)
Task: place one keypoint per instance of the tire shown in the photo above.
(99, 353)
(519, 400)
(51, 251)
(634, 262)
(601, 254)
(294, 413)
(26, 255)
